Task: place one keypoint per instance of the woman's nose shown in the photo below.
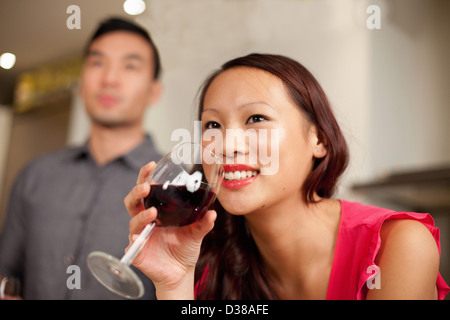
(232, 145)
(235, 145)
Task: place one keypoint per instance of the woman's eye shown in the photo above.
(256, 118)
(212, 125)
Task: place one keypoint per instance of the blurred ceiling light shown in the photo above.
(134, 7)
(7, 60)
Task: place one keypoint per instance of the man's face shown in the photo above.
(117, 79)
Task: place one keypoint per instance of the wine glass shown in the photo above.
(183, 185)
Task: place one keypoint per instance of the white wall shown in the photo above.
(329, 37)
(410, 85)
(386, 86)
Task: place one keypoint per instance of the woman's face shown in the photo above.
(266, 144)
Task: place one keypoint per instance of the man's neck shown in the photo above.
(107, 144)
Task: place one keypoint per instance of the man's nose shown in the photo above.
(111, 76)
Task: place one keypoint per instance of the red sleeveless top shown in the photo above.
(357, 245)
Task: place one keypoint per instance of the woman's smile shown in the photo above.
(238, 175)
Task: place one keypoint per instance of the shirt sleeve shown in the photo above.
(12, 237)
(370, 267)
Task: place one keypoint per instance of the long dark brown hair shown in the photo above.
(230, 266)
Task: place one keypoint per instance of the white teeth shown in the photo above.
(239, 175)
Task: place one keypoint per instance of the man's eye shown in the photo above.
(212, 125)
(256, 118)
(96, 63)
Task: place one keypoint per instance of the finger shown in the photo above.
(145, 172)
(139, 221)
(133, 200)
(201, 228)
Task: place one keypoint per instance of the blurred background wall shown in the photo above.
(389, 87)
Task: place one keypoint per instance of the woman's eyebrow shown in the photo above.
(247, 104)
(210, 109)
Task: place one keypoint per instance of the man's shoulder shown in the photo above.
(51, 160)
(55, 156)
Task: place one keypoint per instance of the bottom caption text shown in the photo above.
(226, 309)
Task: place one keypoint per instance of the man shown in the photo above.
(69, 203)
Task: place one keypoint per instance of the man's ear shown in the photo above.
(155, 92)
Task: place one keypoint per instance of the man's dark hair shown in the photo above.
(120, 24)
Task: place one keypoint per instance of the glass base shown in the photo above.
(115, 275)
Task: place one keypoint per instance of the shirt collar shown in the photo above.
(80, 152)
(142, 154)
(136, 158)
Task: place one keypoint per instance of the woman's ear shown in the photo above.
(319, 148)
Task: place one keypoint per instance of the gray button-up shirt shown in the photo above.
(62, 207)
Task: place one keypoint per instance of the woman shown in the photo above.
(281, 236)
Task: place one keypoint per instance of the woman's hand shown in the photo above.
(170, 255)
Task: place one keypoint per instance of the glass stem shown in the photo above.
(137, 245)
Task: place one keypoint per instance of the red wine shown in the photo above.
(176, 205)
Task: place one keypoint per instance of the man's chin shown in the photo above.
(110, 123)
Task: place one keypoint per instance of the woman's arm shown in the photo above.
(408, 260)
